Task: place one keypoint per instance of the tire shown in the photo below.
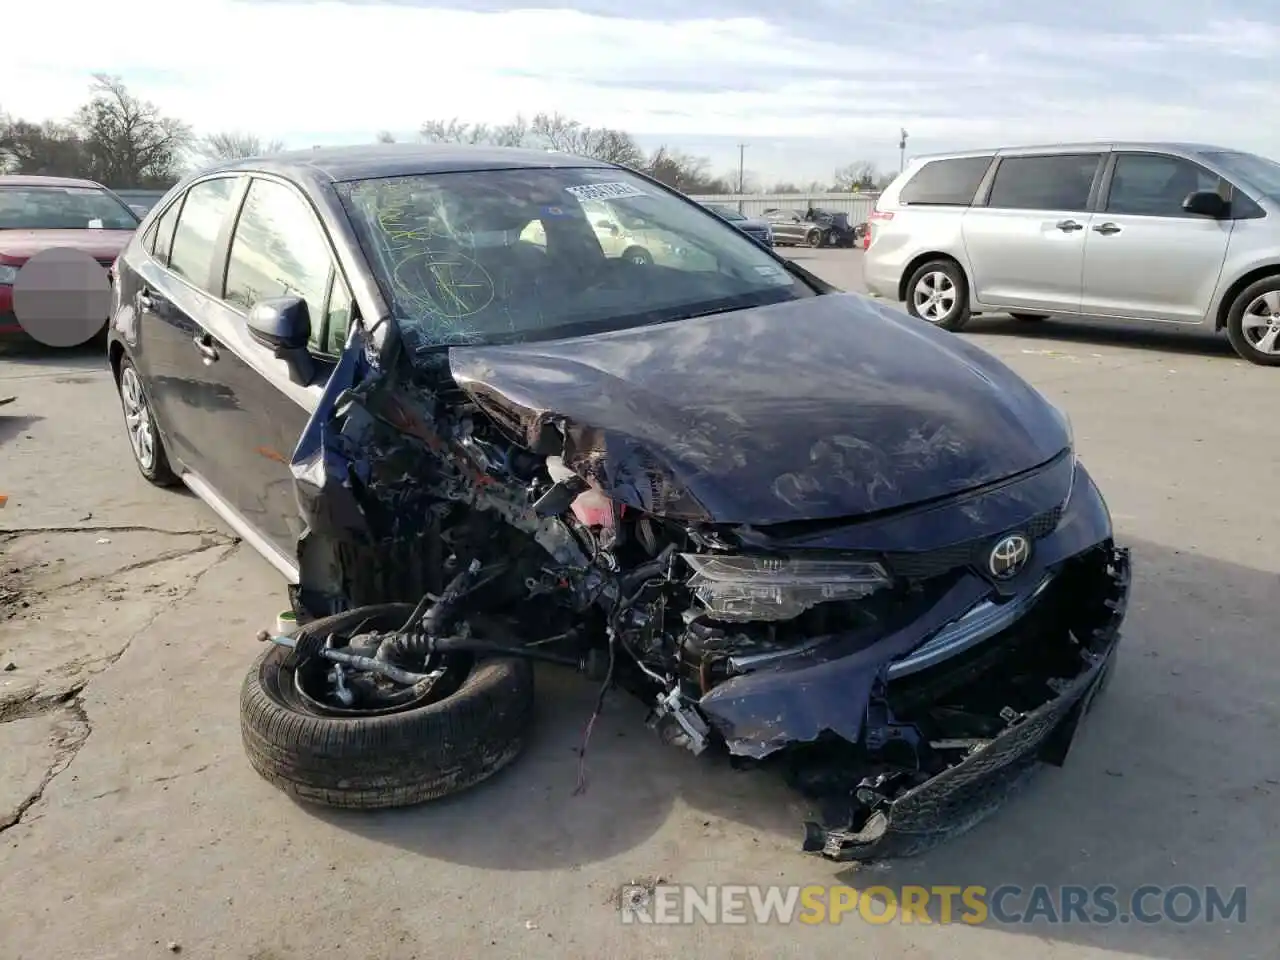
(376, 761)
(814, 238)
(149, 455)
(637, 256)
(1029, 317)
(1251, 318)
(945, 275)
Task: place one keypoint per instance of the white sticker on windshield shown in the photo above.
(605, 191)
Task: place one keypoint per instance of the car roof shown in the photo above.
(1066, 147)
(24, 180)
(399, 160)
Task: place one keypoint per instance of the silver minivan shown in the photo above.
(1168, 232)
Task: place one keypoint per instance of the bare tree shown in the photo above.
(685, 173)
(558, 132)
(385, 136)
(859, 175)
(128, 142)
(234, 145)
(49, 148)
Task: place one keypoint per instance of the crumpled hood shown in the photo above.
(99, 244)
(830, 406)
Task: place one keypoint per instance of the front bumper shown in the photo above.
(964, 793)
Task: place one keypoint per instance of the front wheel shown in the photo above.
(637, 256)
(1253, 324)
(391, 747)
(938, 294)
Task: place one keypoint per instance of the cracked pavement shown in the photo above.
(130, 822)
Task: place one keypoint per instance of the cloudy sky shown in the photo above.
(808, 87)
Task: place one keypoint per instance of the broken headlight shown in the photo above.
(778, 588)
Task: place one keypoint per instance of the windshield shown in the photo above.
(1257, 171)
(63, 208)
(727, 212)
(503, 256)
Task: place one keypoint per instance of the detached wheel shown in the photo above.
(1253, 325)
(469, 725)
(637, 256)
(1029, 317)
(139, 421)
(939, 294)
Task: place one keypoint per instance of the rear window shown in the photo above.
(63, 208)
(950, 183)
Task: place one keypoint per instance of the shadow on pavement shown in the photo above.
(88, 356)
(1108, 333)
(1174, 780)
(15, 425)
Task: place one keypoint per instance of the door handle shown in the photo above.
(145, 301)
(1069, 226)
(1106, 229)
(204, 343)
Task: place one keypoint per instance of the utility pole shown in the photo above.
(902, 152)
(742, 149)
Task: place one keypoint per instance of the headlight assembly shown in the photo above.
(778, 588)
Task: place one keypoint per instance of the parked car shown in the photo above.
(629, 236)
(759, 230)
(792, 228)
(40, 213)
(1166, 232)
(805, 527)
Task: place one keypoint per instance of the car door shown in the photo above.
(1144, 256)
(172, 291)
(786, 226)
(277, 247)
(1025, 239)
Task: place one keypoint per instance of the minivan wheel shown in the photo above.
(938, 294)
(140, 423)
(1253, 325)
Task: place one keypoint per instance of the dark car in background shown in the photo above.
(802, 526)
(40, 213)
(757, 229)
(840, 233)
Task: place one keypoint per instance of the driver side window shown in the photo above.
(279, 250)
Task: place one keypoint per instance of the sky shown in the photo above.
(807, 87)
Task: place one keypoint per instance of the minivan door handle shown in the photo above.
(1106, 229)
(1069, 226)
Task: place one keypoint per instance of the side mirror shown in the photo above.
(284, 325)
(1207, 203)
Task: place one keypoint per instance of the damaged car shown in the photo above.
(805, 528)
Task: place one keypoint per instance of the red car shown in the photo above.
(38, 213)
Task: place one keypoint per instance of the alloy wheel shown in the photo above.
(137, 419)
(935, 296)
(1261, 323)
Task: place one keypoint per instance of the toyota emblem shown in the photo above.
(1009, 556)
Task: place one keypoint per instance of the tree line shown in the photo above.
(126, 142)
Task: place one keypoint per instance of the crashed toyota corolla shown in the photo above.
(570, 416)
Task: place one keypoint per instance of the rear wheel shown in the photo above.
(144, 438)
(1253, 324)
(938, 294)
(637, 256)
(814, 238)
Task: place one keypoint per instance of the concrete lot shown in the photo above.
(132, 824)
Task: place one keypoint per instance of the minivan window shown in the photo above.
(946, 182)
(1051, 182)
(1260, 172)
(278, 250)
(203, 213)
(1155, 185)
